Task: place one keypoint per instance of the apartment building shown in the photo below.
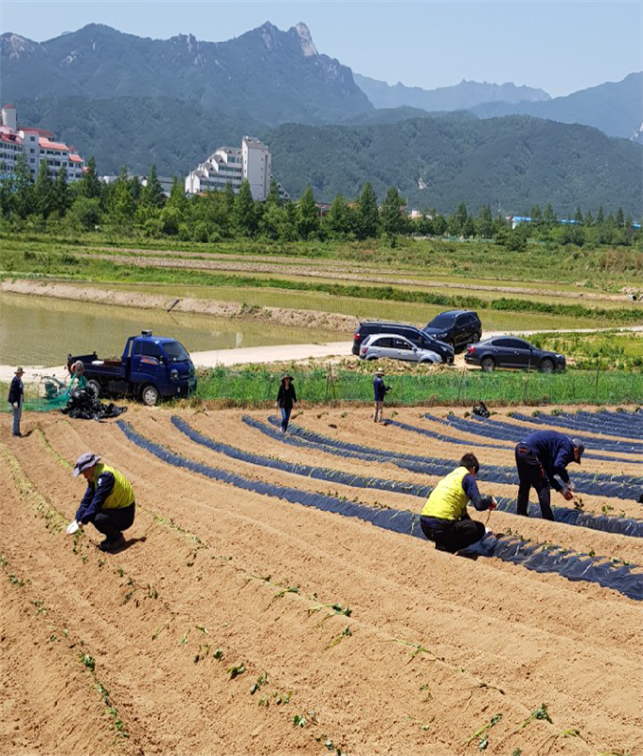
(233, 165)
(37, 145)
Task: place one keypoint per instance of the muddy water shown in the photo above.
(42, 331)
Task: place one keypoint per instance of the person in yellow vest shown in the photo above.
(444, 519)
(108, 502)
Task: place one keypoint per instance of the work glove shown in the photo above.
(493, 504)
(15, 405)
(73, 527)
(567, 494)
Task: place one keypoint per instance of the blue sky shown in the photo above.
(557, 46)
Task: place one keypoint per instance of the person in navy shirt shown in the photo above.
(15, 399)
(379, 392)
(540, 457)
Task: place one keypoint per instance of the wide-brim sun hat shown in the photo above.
(84, 462)
(19, 371)
(379, 372)
(287, 376)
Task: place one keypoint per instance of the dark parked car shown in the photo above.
(510, 352)
(413, 334)
(456, 327)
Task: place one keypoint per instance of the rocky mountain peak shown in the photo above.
(14, 46)
(305, 40)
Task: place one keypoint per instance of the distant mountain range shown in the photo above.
(273, 76)
(466, 94)
(125, 99)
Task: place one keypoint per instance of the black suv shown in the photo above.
(456, 327)
(413, 334)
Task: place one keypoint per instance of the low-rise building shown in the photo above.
(37, 145)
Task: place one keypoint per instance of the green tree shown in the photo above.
(24, 200)
(273, 197)
(243, 215)
(619, 218)
(177, 198)
(368, 220)
(578, 216)
(90, 185)
(485, 222)
(122, 204)
(43, 190)
(152, 193)
(336, 222)
(391, 216)
(549, 216)
(439, 223)
(62, 199)
(599, 216)
(85, 213)
(307, 215)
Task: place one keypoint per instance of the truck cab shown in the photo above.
(151, 367)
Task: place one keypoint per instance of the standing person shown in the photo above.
(286, 400)
(15, 399)
(444, 519)
(379, 392)
(539, 457)
(108, 502)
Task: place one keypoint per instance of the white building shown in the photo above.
(37, 145)
(231, 165)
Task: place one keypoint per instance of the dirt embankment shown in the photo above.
(238, 622)
(276, 315)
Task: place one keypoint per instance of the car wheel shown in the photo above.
(94, 387)
(487, 364)
(371, 358)
(150, 395)
(547, 366)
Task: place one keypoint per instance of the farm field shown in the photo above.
(239, 620)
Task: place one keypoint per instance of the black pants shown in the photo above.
(531, 473)
(452, 535)
(112, 522)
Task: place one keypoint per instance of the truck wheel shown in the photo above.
(94, 387)
(150, 395)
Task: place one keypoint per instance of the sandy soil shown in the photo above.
(436, 645)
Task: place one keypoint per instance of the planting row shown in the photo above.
(506, 431)
(607, 524)
(625, 579)
(617, 486)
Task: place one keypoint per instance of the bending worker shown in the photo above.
(444, 518)
(108, 502)
(539, 457)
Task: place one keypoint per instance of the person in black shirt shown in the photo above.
(15, 399)
(286, 400)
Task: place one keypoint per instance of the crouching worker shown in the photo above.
(108, 502)
(444, 519)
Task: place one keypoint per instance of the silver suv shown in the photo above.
(392, 347)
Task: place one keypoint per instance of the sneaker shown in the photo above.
(18, 435)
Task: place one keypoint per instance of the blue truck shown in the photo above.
(151, 368)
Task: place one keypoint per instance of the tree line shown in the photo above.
(127, 207)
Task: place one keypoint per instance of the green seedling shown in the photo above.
(202, 629)
(88, 661)
(290, 589)
(516, 752)
(218, 654)
(119, 571)
(53, 637)
(481, 733)
(184, 639)
(283, 698)
(301, 720)
(265, 701)
(539, 713)
(339, 638)
(419, 649)
(261, 680)
(426, 688)
(203, 652)
(235, 671)
(16, 581)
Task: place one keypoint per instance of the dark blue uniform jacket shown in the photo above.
(554, 450)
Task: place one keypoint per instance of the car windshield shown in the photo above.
(441, 321)
(176, 351)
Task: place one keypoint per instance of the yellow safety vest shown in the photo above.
(122, 494)
(447, 500)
